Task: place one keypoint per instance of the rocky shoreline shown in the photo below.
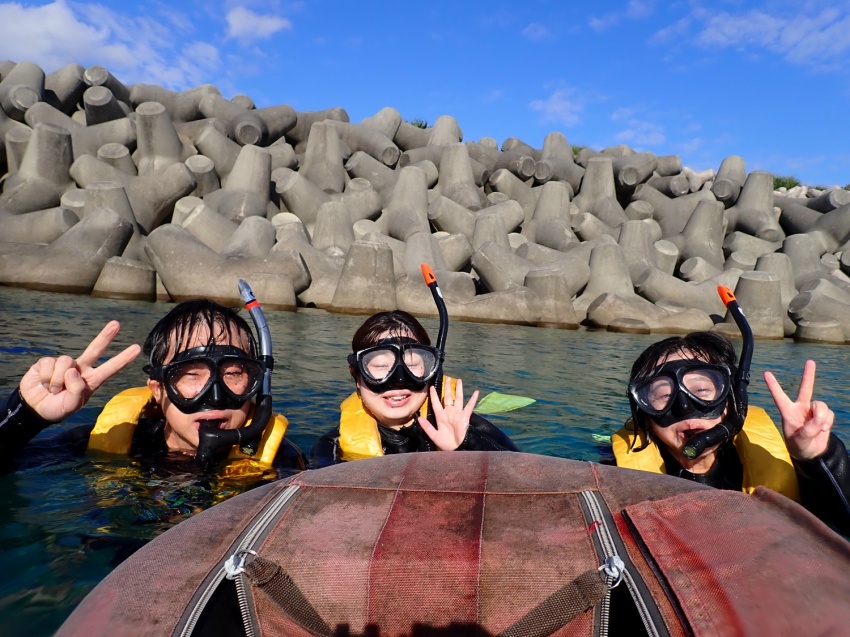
(138, 192)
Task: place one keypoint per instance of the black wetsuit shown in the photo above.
(482, 435)
(19, 424)
(824, 481)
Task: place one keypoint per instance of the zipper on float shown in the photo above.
(598, 517)
(250, 537)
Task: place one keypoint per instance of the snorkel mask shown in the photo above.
(682, 389)
(223, 377)
(396, 363)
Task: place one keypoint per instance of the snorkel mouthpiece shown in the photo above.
(210, 438)
(734, 422)
(442, 332)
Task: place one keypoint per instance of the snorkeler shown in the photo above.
(206, 400)
(691, 419)
(397, 407)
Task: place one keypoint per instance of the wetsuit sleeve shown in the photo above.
(18, 425)
(483, 435)
(325, 451)
(825, 485)
(289, 459)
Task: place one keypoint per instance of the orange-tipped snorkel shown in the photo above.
(740, 401)
(442, 332)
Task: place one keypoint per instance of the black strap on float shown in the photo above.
(442, 332)
(734, 421)
(212, 439)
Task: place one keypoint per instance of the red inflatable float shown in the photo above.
(480, 543)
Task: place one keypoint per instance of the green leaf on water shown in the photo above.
(601, 437)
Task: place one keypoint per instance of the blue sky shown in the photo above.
(767, 80)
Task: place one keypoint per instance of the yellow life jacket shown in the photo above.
(359, 437)
(760, 447)
(113, 432)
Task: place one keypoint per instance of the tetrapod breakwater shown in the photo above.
(140, 192)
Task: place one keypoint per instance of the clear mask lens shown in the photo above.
(191, 378)
(706, 385)
(379, 363)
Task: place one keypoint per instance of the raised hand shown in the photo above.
(452, 417)
(55, 388)
(805, 423)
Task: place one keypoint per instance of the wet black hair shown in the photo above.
(708, 346)
(182, 321)
(397, 322)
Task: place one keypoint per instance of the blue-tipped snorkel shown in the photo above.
(211, 439)
(734, 421)
(442, 332)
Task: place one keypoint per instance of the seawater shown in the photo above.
(63, 527)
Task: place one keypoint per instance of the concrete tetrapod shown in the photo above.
(189, 269)
(203, 170)
(657, 286)
(38, 226)
(71, 263)
(759, 296)
(729, 180)
(44, 172)
(609, 272)
(118, 156)
(456, 250)
(753, 211)
(360, 199)
(101, 106)
(333, 233)
(456, 180)
(448, 216)
(253, 237)
(671, 214)
(518, 306)
(366, 284)
(157, 143)
(407, 211)
(499, 268)
(618, 314)
(205, 224)
(324, 271)
(300, 196)
(21, 88)
(381, 177)
(151, 196)
(246, 192)
(65, 87)
(369, 140)
(779, 264)
(817, 307)
(552, 288)
(323, 161)
(128, 279)
(703, 234)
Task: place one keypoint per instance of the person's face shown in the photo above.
(393, 408)
(181, 429)
(677, 435)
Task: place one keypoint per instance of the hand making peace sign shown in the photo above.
(805, 423)
(55, 388)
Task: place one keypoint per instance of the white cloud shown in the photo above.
(134, 49)
(639, 8)
(642, 134)
(536, 31)
(809, 36)
(561, 106)
(245, 25)
(604, 23)
(493, 96)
